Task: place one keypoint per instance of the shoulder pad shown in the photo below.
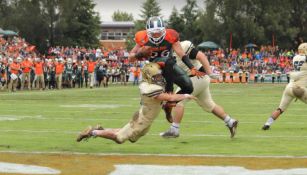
(141, 38)
(172, 36)
(150, 90)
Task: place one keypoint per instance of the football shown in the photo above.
(144, 52)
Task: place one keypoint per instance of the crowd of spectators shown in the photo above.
(22, 67)
(252, 61)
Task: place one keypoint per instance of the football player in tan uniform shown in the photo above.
(201, 91)
(152, 95)
(297, 88)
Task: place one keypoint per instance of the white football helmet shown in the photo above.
(302, 49)
(19, 59)
(155, 30)
(69, 60)
(152, 74)
(10, 60)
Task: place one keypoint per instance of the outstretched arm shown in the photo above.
(174, 97)
(133, 52)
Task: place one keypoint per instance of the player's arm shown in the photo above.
(133, 52)
(203, 59)
(185, 59)
(173, 97)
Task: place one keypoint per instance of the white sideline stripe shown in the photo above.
(11, 118)
(135, 169)
(26, 169)
(161, 155)
(188, 121)
(190, 135)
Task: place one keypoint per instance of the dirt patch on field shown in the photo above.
(104, 164)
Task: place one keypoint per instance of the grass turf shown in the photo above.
(49, 121)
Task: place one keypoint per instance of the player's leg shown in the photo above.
(175, 74)
(286, 99)
(231, 123)
(206, 102)
(173, 131)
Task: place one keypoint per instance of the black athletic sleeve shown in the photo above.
(193, 54)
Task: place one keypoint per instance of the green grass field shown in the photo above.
(49, 121)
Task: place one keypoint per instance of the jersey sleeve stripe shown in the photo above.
(154, 93)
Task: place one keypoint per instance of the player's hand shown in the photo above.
(143, 52)
(197, 73)
(189, 96)
(214, 76)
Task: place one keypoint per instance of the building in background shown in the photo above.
(114, 34)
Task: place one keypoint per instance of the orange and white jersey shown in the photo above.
(161, 50)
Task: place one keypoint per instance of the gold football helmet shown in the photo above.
(302, 49)
(152, 74)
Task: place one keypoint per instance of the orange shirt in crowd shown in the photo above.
(26, 66)
(137, 72)
(14, 68)
(91, 66)
(38, 68)
(59, 68)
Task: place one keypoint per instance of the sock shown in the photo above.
(94, 133)
(228, 120)
(175, 127)
(269, 121)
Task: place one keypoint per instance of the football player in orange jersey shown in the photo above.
(161, 42)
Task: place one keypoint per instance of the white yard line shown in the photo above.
(186, 135)
(135, 169)
(162, 155)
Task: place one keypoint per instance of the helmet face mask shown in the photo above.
(152, 74)
(155, 30)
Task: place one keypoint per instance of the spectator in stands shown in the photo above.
(91, 64)
(136, 75)
(14, 69)
(59, 69)
(39, 74)
(26, 66)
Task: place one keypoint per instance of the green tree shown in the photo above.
(190, 14)
(51, 14)
(150, 8)
(79, 24)
(122, 16)
(175, 21)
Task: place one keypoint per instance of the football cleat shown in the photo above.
(233, 128)
(266, 127)
(87, 133)
(169, 134)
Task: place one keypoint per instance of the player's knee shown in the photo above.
(298, 91)
(119, 141)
